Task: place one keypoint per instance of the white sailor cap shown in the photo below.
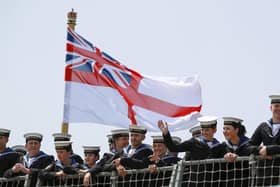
(19, 149)
(160, 139)
(33, 136)
(110, 138)
(63, 145)
(61, 137)
(195, 130)
(5, 132)
(157, 139)
(176, 139)
(274, 99)
(119, 133)
(137, 129)
(232, 121)
(208, 121)
(91, 149)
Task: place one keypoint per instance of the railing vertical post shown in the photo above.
(113, 179)
(173, 176)
(252, 170)
(27, 181)
(179, 174)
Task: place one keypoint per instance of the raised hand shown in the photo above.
(162, 125)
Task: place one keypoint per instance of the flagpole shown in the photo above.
(71, 22)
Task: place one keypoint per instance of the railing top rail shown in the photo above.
(159, 169)
(3, 179)
(212, 161)
(258, 157)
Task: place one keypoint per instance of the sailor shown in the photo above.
(67, 137)
(20, 149)
(196, 148)
(267, 138)
(120, 139)
(195, 131)
(208, 126)
(34, 159)
(137, 151)
(110, 142)
(161, 156)
(64, 165)
(236, 143)
(268, 132)
(91, 155)
(8, 157)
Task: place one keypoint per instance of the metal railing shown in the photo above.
(214, 172)
(21, 181)
(245, 171)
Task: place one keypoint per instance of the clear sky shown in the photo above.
(232, 45)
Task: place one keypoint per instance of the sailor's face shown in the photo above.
(275, 109)
(122, 142)
(63, 155)
(136, 139)
(230, 132)
(3, 142)
(208, 133)
(159, 149)
(33, 147)
(91, 158)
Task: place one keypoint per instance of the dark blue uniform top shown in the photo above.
(8, 158)
(168, 160)
(263, 134)
(77, 158)
(36, 163)
(198, 149)
(39, 161)
(105, 163)
(211, 144)
(242, 149)
(142, 152)
(50, 170)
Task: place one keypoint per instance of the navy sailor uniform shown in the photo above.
(141, 153)
(8, 158)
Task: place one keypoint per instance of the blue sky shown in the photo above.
(233, 46)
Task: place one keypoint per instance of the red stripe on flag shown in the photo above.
(135, 98)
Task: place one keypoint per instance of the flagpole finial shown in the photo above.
(72, 17)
